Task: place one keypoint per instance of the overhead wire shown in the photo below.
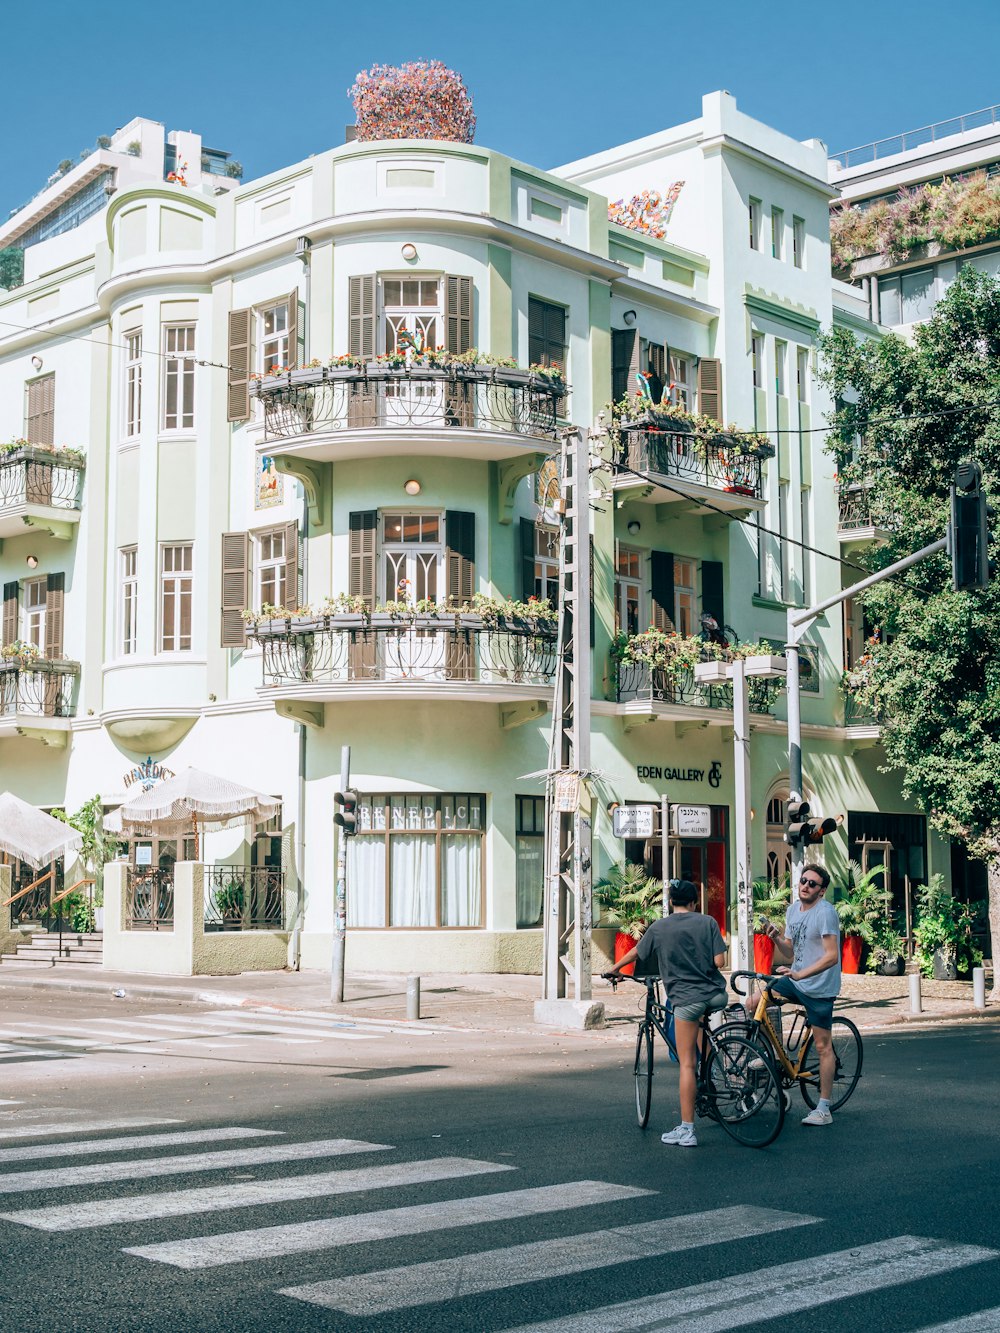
(115, 346)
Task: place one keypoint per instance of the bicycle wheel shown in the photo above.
(643, 1074)
(745, 1091)
(849, 1050)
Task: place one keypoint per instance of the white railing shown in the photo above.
(902, 143)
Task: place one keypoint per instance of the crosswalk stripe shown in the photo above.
(400, 1288)
(86, 1147)
(254, 1028)
(81, 1127)
(364, 1228)
(217, 1198)
(983, 1321)
(99, 1172)
(751, 1298)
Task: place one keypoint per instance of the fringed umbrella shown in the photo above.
(189, 799)
(33, 836)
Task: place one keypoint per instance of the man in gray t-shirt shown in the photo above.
(812, 941)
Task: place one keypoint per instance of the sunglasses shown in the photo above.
(811, 883)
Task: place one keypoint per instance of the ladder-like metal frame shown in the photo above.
(568, 833)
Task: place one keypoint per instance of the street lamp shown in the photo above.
(737, 671)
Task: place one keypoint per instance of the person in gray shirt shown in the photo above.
(810, 974)
(688, 950)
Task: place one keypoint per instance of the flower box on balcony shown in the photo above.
(711, 673)
(765, 665)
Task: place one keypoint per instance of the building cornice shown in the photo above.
(725, 142)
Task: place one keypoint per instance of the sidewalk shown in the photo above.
(479, 1002)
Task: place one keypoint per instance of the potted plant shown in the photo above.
(631, 900)
(770, 903)
(887, 951)
(229, 901)
(857, 902)
(943, 935)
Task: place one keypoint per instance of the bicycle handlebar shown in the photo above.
(753, 976)
(615, 977)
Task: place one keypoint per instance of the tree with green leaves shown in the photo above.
(931, 674)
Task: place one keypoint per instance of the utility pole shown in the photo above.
(568, 905)
(346, 819)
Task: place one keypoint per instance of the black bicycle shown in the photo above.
(737, 1083)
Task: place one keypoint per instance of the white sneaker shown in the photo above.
(818, 1117)
(681, 1137)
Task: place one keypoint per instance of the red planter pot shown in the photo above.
(850, 955)
(623, 943)
(763, 953)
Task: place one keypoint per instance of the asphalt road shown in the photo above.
(427, 1163)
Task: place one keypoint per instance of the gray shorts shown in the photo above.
(691, 1013)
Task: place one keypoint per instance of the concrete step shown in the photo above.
(50, 959)
(43, 947)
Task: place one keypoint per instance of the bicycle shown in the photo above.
(737, 1082)
(761, 1028)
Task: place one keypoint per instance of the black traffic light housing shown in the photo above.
(347, 816)
(801, 831)
(968, 530)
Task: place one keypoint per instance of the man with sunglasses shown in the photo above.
(811, 942)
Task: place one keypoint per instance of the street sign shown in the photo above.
(632, 821)
(692, 821)
(567, 793)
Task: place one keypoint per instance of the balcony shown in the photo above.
(658, 690)
(455, 657)
(378, 410)
(856, 526)
(37, 698)
(687, 470)
(40, 488)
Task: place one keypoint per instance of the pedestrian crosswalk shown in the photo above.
(221, 1214)
(203, 1032)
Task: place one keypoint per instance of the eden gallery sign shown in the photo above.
(658, 773)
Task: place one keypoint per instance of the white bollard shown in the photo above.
(979, 987)
(915, 1003)
(412, 997)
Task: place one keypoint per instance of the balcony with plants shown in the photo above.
(40, 488)
(664, 454)
(654, 672)
(488, 649)
(467, 405)
(37, 694)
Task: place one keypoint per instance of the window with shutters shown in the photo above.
(132, 384)
(39, 410)
(682, 379)
(178, 376)
(272, 342)
(547, 564)
(546, 333)
(128, 599)
(272, 575)
(412, 557)
(629, 591)
(684, 595)
(412, 310)
(757, 359)
(34, 599)
(176, 597)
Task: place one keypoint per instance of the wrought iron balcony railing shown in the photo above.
(854, 507)
(350, 651)
(855, 713)
(149, 902)
(244, 898)
(637, 681)
(495, 399)
(39, 688)
(34, 476)
(682, 457)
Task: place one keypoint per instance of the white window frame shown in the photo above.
(128, 600)
(684, 379)
(802, 374)
(757, 359)
(270, 564)
(172, 584)
(685, 595)
(432, 553)
(755, 210)
(547, 563)
(33, 611)
(798, 242)
(179, 366)
(780, 368)
(784, 554)
(629, 585)
(777, 233)
(132, 385)
(276, 339)
(806, 538)
(396, 316)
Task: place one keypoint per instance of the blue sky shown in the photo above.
(550, 82)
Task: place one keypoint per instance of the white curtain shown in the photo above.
(530, 879)
(461, 879)
(412, 894)
(366, 881)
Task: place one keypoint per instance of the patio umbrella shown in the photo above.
(31, 835)
(192, 798)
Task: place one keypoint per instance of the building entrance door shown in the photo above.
(703, 861)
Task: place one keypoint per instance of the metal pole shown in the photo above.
(792, 685)
(741, 745)
(412, 997)
(340, 903)
(979, 987)
(665, 847)
(915, 1003)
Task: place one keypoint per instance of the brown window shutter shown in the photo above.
(527, 552)
(364, 536)
(10, 593)
(235, 587)
(458, 314)
(361, 340)
(662, 590)
(55, 588)
(39, 426)
(293, 328)
(624, 348)
(460, 554)
(710, 387)
(292, 565)
(240, 361)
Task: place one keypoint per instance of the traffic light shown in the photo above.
(347, 817)
(968, 530)
(801, 831)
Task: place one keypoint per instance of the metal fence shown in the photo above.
(637, 681)
(481, 398)
(32, 478)
(422, 650)
(682, 457)
(901, 143)
(149, 902)
(244, 898)
(39, 688)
